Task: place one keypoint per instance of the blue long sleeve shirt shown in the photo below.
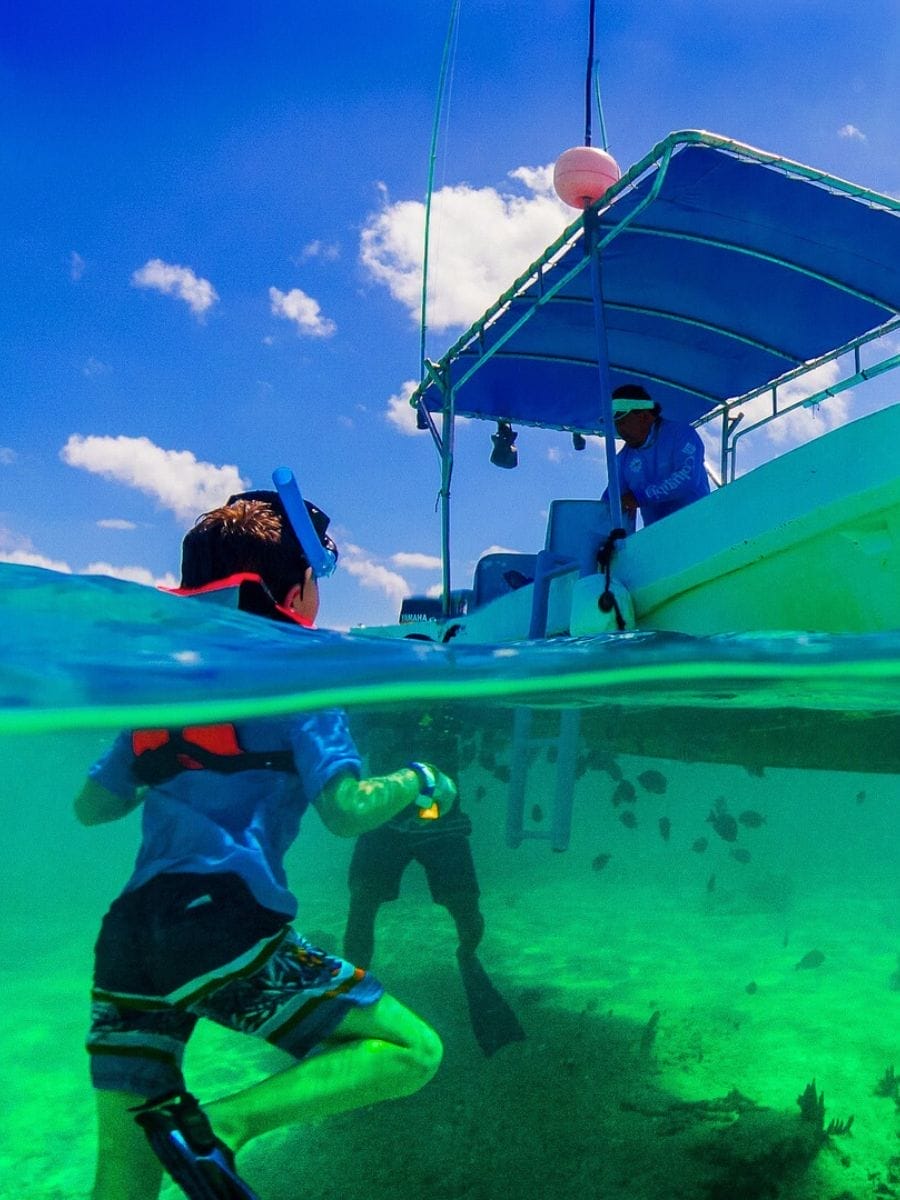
(666, 472)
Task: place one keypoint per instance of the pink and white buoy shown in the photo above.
(583, 174)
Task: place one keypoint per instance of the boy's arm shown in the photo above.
(96, 804)
(349, 806)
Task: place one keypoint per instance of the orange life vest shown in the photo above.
(161, 754)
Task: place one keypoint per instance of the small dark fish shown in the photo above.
(624, 793)
(700, 845)
(628, 818)
(751, 818)
(653, 781)
(740, 854)
(814, 958)
(502, 773)
(755, 769)
(598, 759)
(723, 822)
(751, 987)
(860, 797)
(665, 828)
(711, 883)
(537, 813)
(480, 792)
(600, 862)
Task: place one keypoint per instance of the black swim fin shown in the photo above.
(183, 1140)
(494, 1023)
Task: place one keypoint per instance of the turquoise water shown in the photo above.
(677, 997)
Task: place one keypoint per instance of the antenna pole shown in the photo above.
(432, 154)
(592, 85)
(588, 83)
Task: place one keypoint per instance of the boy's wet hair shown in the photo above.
(250, 533)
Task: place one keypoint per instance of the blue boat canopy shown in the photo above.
(720, 269)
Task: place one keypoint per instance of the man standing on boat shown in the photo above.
(203, 926)
(661, 467)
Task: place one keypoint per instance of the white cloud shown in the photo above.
(540, 181)
(850, 131)
(329, 251)
(415, 561)
(20, 551)
(803, 424)
(198, 294)
(789, 430)
(30, 558)
(94, 367)
(377, 577)
(372, 574)
(303, 310)
(175, 478)
(116, 523)
(482, 239)
(131, 574)
(76, 266)
(7, 456)
(399, 413)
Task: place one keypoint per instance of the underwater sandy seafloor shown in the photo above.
(604, 1098)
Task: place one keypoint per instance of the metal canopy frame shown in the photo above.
(708, 262)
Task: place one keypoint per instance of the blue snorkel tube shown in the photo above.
(321, 560)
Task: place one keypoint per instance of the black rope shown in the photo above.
(607, 601)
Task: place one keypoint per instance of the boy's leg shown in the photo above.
(127, 1169)
(379, 1052)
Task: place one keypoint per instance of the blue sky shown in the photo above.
(211, 245)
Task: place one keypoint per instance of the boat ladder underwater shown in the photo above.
(525, 746)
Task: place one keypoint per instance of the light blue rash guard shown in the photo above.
(207, 822)
(666, 472)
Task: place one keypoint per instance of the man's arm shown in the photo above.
(95, 804)
(349, 806)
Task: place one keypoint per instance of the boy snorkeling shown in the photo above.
(203, 925)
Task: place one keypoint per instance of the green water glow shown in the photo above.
(603, 1099)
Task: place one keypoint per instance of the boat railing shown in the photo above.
(731, 415)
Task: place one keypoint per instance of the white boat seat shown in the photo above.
(499, 573)
(577, 529)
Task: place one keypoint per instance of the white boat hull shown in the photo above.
(807, 542)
